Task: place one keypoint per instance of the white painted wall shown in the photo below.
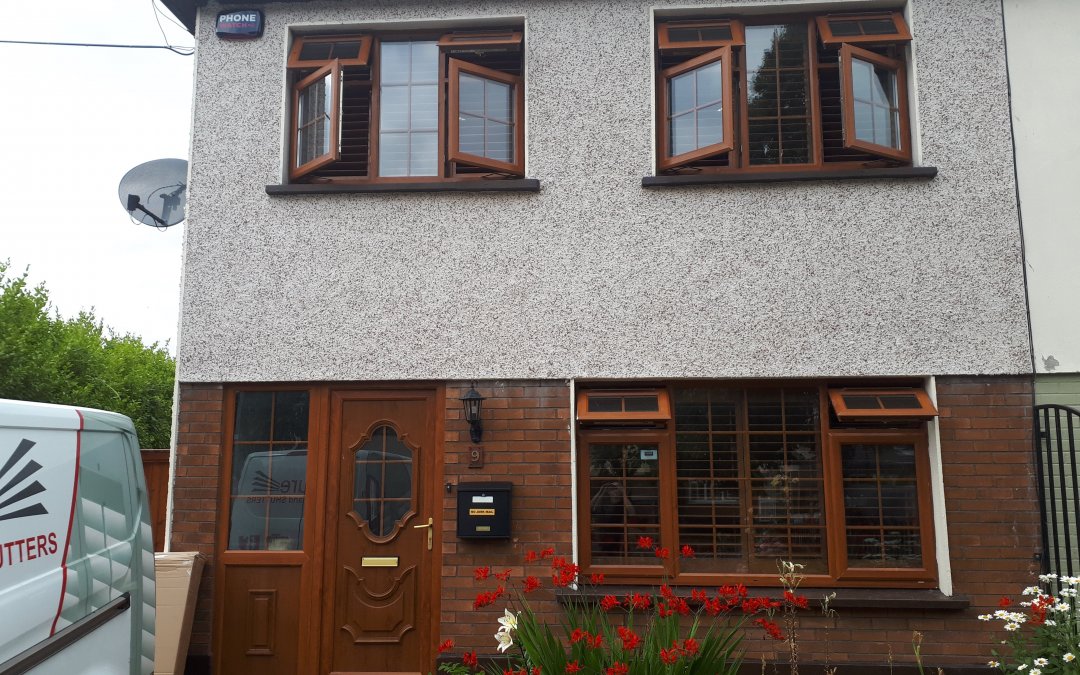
(1042, 43)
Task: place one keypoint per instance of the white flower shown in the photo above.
(1068, 658)
(985, 617)
(1036, 671)
(504, 639)
(1031, 590)
(1042, 662)
(1068, 592)
(1049, 622)
(1047, 577)
(1072, 581)
(993, 664)
(1012, 627)
(508, 621)
(1022, 666)
(1062, 607)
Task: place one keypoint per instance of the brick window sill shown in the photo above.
(512, 185)
(903, 172)
(846, 598)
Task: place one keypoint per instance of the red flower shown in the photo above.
(617, 669)
(698, 595)
(638, 601)
(664, 611)
(755, 605)
(645, 543)
(771, 629)
(662, 553)
(670, 656)
(666, 591)
(469, 658)
(596, 578)
(530, 556)
(578, 635)
(597, 641)
(503, 576)
(690, 646)
(446, 646)
(536, 670)
(630, 639)
(609, 602)
(547, 552)
(481, 573)
(714, 607)
(484, 599)
(681, 606)
(531, 584)
(499, 592)
(799, 601)
(573, 667)
(1004, 602)
(686, 551)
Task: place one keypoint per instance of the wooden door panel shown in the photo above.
(379, 566)
(261, 622)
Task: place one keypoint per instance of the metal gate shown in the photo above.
(1056, 430)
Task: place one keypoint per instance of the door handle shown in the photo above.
(428, 525)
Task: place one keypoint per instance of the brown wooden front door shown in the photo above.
(379, 573)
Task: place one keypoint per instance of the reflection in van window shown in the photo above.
(382, 481)
(269, 471)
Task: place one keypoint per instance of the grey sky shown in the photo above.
(75, 119)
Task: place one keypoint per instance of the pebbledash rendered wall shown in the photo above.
(596, 276)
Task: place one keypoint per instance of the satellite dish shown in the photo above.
(155, 193)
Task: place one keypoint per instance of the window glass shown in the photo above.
(624, 501)
(777, 93)
(697, 105)
(382, 481)
(315, 104)
(409, 109)
(269, 471)
(485, 118)
(881, 505)
(877, 117)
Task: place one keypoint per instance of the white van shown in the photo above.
(76, 552)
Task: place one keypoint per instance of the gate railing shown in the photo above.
(1057, 428)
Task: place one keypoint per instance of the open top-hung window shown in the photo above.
(817, 92)
(399, 107)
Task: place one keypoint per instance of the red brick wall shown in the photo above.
(991, 501)
(198, 452)
(526, 442)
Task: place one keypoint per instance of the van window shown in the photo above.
(269, 471)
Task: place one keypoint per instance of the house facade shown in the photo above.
(739, 276)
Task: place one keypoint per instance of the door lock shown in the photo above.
(430, 522)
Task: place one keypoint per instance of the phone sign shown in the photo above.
(240, 24)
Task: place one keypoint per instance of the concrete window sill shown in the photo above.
(924, 172)
(846, 598)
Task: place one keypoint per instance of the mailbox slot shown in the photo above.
(483, 510)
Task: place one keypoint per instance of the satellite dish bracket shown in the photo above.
(133, 204)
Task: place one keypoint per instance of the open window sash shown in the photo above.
(316, 121)
(689, 35)
(485, 118)
(864, 29)
(875, 110)
(347, 50)
(691, 129)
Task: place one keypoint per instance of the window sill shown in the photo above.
(513, 185)
(846, 598)
(926, 172)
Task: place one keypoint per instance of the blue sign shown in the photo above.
(240, 24)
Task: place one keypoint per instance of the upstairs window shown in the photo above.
(818, 92)
(393, 107)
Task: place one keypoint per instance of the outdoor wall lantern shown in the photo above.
(473, 402)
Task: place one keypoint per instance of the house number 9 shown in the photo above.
(476, 457)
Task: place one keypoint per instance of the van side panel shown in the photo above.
(37, 477)
(92, 655)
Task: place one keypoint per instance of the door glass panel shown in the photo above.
(382, 481)
(269, 471)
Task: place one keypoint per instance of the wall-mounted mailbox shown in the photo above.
(483, 510)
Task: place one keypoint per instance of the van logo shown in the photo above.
(262, 482)
(16, 505)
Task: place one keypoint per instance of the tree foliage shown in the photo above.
(80, 361)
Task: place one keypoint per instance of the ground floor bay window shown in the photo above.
(836, 479)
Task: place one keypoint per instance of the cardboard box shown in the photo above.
(178, 576)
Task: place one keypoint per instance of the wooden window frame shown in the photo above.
(723, 56)
(902, 34)
(362, 58)
(839, 573)
(927, 574)
(663, 412)
(738, 37)
(334, 152)
(492, 40)
(454, 152)
(925, 411)
(847, 97)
